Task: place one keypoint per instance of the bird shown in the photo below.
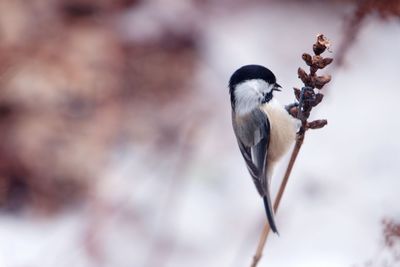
(263, 128)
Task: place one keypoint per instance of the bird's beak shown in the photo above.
(277, 86)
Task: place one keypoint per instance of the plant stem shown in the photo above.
(266, 230)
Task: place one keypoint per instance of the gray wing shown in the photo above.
(255, 157)
(254, 171)
(259, 152)
(255, 151)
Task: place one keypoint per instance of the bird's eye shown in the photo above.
(267, 97)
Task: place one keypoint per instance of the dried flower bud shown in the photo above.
(304, 76)
(297, 93)
(317, 100)
(294, 111)
(309, 94)
(327, 61)
(316, 60)
(307, 58)
(321, 62)
(320, 81)
(321, 39)
(321, 45)
(317, 124)
(318, 50)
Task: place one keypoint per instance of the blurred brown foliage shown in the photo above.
(389, 253)
(391, 232)
(72, 87)
(385, 9)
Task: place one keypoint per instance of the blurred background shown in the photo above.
(116, 147)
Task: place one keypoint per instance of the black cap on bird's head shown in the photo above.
(251, 72)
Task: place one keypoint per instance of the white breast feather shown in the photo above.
(282, 130)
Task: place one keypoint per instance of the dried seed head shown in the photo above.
(307, 58)
(319, 62)
(313, 69)
(318, 50)
(322, 40)
(309, 94)
(297, 93)
(294, 111)
(317, 100)
(327, 61)
(321, 45)
(304, 76)
(317, 124)
(307, 97)
(320, 81)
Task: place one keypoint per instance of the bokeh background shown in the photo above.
(116, 146)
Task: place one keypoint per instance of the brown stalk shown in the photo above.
(266, 230)
(308, 99)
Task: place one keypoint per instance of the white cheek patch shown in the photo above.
(249, 94)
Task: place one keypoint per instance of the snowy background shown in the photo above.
(154, 178)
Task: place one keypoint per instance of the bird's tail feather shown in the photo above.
(270, 213)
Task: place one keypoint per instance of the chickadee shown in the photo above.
(264, 130)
